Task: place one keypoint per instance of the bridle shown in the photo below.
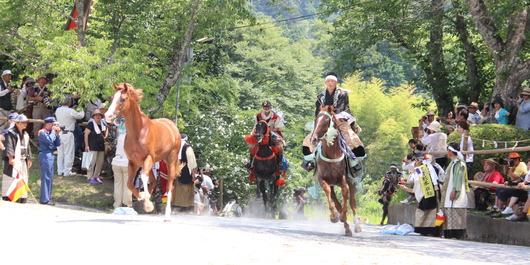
(319, 148)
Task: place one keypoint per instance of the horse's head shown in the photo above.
(324, 123)
(388, 185)
(122, 100)
(261, 130)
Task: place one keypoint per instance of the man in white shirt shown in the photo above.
(67, 116)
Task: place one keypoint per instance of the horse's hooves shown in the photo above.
(148, 206)
(358, 229)
(334, 220)
(349, 233)
(167, 221)
(342, 220)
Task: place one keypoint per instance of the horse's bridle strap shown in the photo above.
(333, 160)
(265, 158)
(331, 124)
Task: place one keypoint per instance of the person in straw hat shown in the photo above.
(474, 115)
(435, 141)
(523, 110)
(491, 174)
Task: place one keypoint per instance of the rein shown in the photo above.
(319, 149)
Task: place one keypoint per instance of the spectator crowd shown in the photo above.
(437, 172)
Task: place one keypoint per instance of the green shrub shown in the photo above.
(484, 137)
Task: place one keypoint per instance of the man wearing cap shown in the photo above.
(427, 119)
(474, 116)
(49, 140)
(516, 170)
(523, 110)
(67, 118)
(454, 194)
(299, 201)
(16, 156)
(337, 98)
(435, 141)
(11, 120)
(38, 95)
(5, 96)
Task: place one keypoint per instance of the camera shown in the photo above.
(62, 127)
(506, 161)
(297, 192)
(199, 179)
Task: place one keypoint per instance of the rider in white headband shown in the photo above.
(332, 77)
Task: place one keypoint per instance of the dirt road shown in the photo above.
(33, 234)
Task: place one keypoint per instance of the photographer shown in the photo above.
(5, 97)
(436, 141)
(48, 142)
(37, 95)
(516, 170)
(67, 117)
(203, 187)
(299, 202)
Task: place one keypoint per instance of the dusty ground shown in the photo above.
(67, 235)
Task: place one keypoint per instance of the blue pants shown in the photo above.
(46, 161)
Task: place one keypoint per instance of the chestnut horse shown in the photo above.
(331, 168)
(147, 142)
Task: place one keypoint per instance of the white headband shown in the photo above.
(392, 166)
(331, 77)
(457, 152)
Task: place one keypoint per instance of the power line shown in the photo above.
(301, 17)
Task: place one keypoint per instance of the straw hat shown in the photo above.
(526, 91)
(430, 113)
(434, 126)
(490, 160)
(97, 112)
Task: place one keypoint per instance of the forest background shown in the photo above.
(222, 58)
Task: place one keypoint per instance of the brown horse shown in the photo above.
(147, 142)
(332, 168)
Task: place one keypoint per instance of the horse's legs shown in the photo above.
(148, 165)
(263, 193)
(353, 206)
(338, 206)
(131, 170)
(385, 211)
(327, 189)
(272, 197)
(344, 212)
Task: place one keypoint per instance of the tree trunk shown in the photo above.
(178, 57)
(510, 70)
(437, 76)
(471, 62)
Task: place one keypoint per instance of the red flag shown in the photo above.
(17, 188)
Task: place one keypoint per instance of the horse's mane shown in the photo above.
(137, 93)
(328, 108)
